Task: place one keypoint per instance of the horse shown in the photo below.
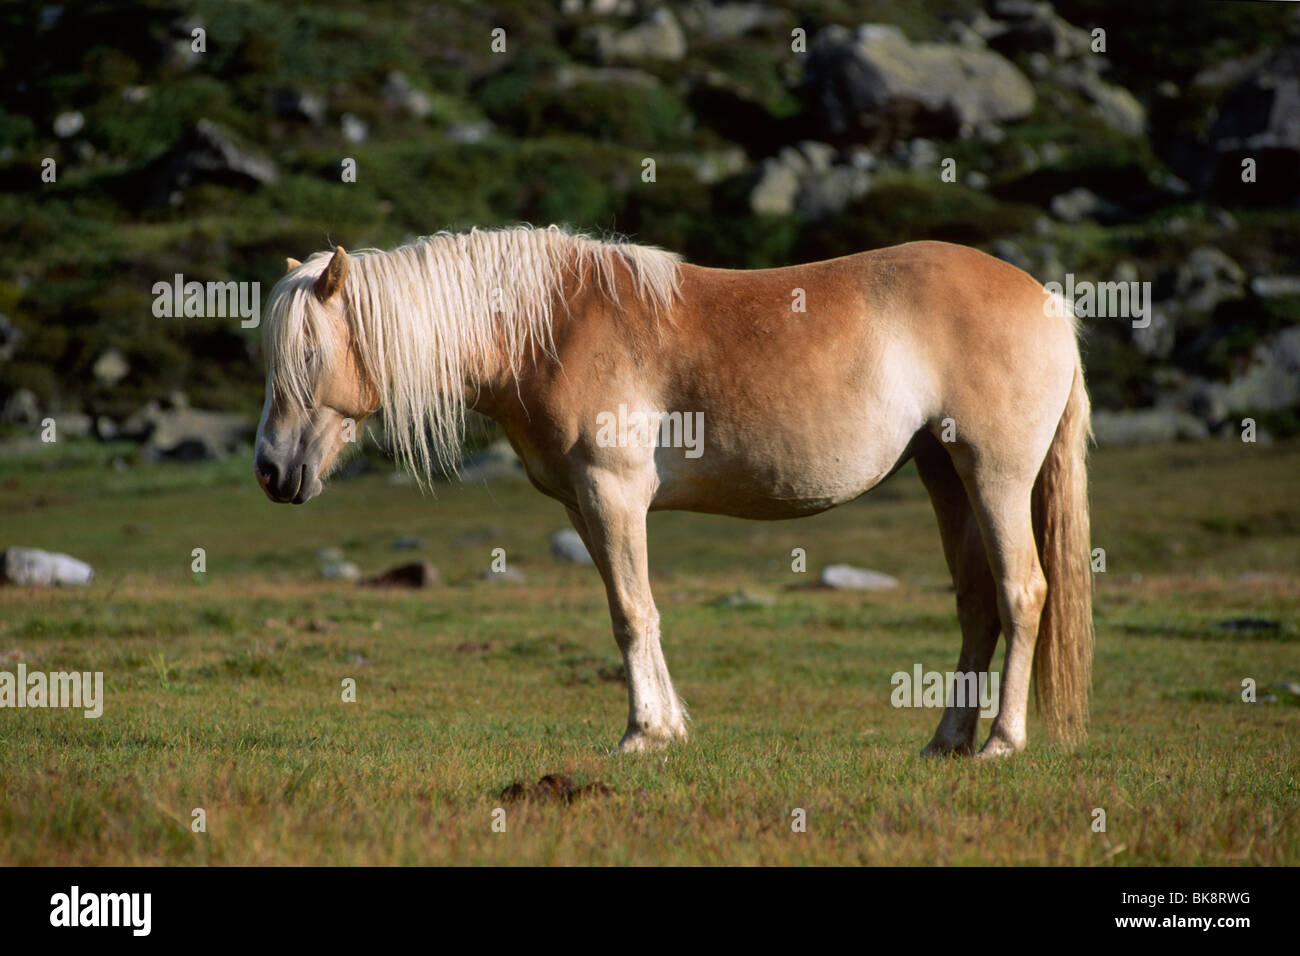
(814, 383)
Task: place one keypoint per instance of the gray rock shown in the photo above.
(743, 599)
(1145, 426)
(354, 128)
(1260, 117)
(32, 567)
(69, 123)
(400, 94)
(469, 134)
(206, 152)
(22, 408)
(110, 368)
(1081, 203)
(726, 21)
(1272, 379)
(658, 38)
(329, 555)
(1275, 287)
(1206, 278)
(874, 86)
(566, 545)
(498, 460)
(805, 179)
(407, 542)
(186, 434)
(845, 577)
(341, 571)
(299, 105)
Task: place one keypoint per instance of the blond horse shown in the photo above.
(926, 351)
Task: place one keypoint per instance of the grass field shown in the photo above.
(224, 689)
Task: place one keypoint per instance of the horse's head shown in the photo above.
(317, 389)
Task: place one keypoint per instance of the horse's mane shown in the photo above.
(427, 316)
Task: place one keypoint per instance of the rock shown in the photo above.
(1206, 278)
(206, 152)
(743, 599)
(726, 21)
(1259, 117)
(341, 571)
(22, 408)
(299, 105)
(354, 128)
(775, 189)
(110, 368)
(1115, 106)
(10, 338)
(498, 460)
(32, 567)
(400, 94)
(407, 542)
(1275, 287)
(658, 38)
(508, 576)
(329, 555)
(186, 434)
(1270, 382)
(416, 574)
(69, 123)
(877, 88)
(804, 179)
(1145, 426)
(566, 545)
(468, 133)
(845, 577)
(1080, 203)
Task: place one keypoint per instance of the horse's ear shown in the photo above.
(331, 280)
(290, 264)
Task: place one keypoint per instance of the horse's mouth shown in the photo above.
(306, 488)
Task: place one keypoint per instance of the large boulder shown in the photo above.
(205, 152)
(874, 86)
(32, 567)
(181, 433)
(1259, 118)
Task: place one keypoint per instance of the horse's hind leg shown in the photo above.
(1001, 492)
(977, 600)
(611, 520)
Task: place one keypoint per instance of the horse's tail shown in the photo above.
(1063, 654)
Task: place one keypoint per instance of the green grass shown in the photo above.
(224, 691)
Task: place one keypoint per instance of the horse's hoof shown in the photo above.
(997, 747)
(637, 741)
(936, 748)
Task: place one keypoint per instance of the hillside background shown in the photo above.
(219, 164)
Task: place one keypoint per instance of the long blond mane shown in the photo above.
(428, 317)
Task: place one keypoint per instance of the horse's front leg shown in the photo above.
(611, 520)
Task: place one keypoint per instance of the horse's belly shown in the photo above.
(777, 476)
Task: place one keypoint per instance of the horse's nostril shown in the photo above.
(267, 474)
